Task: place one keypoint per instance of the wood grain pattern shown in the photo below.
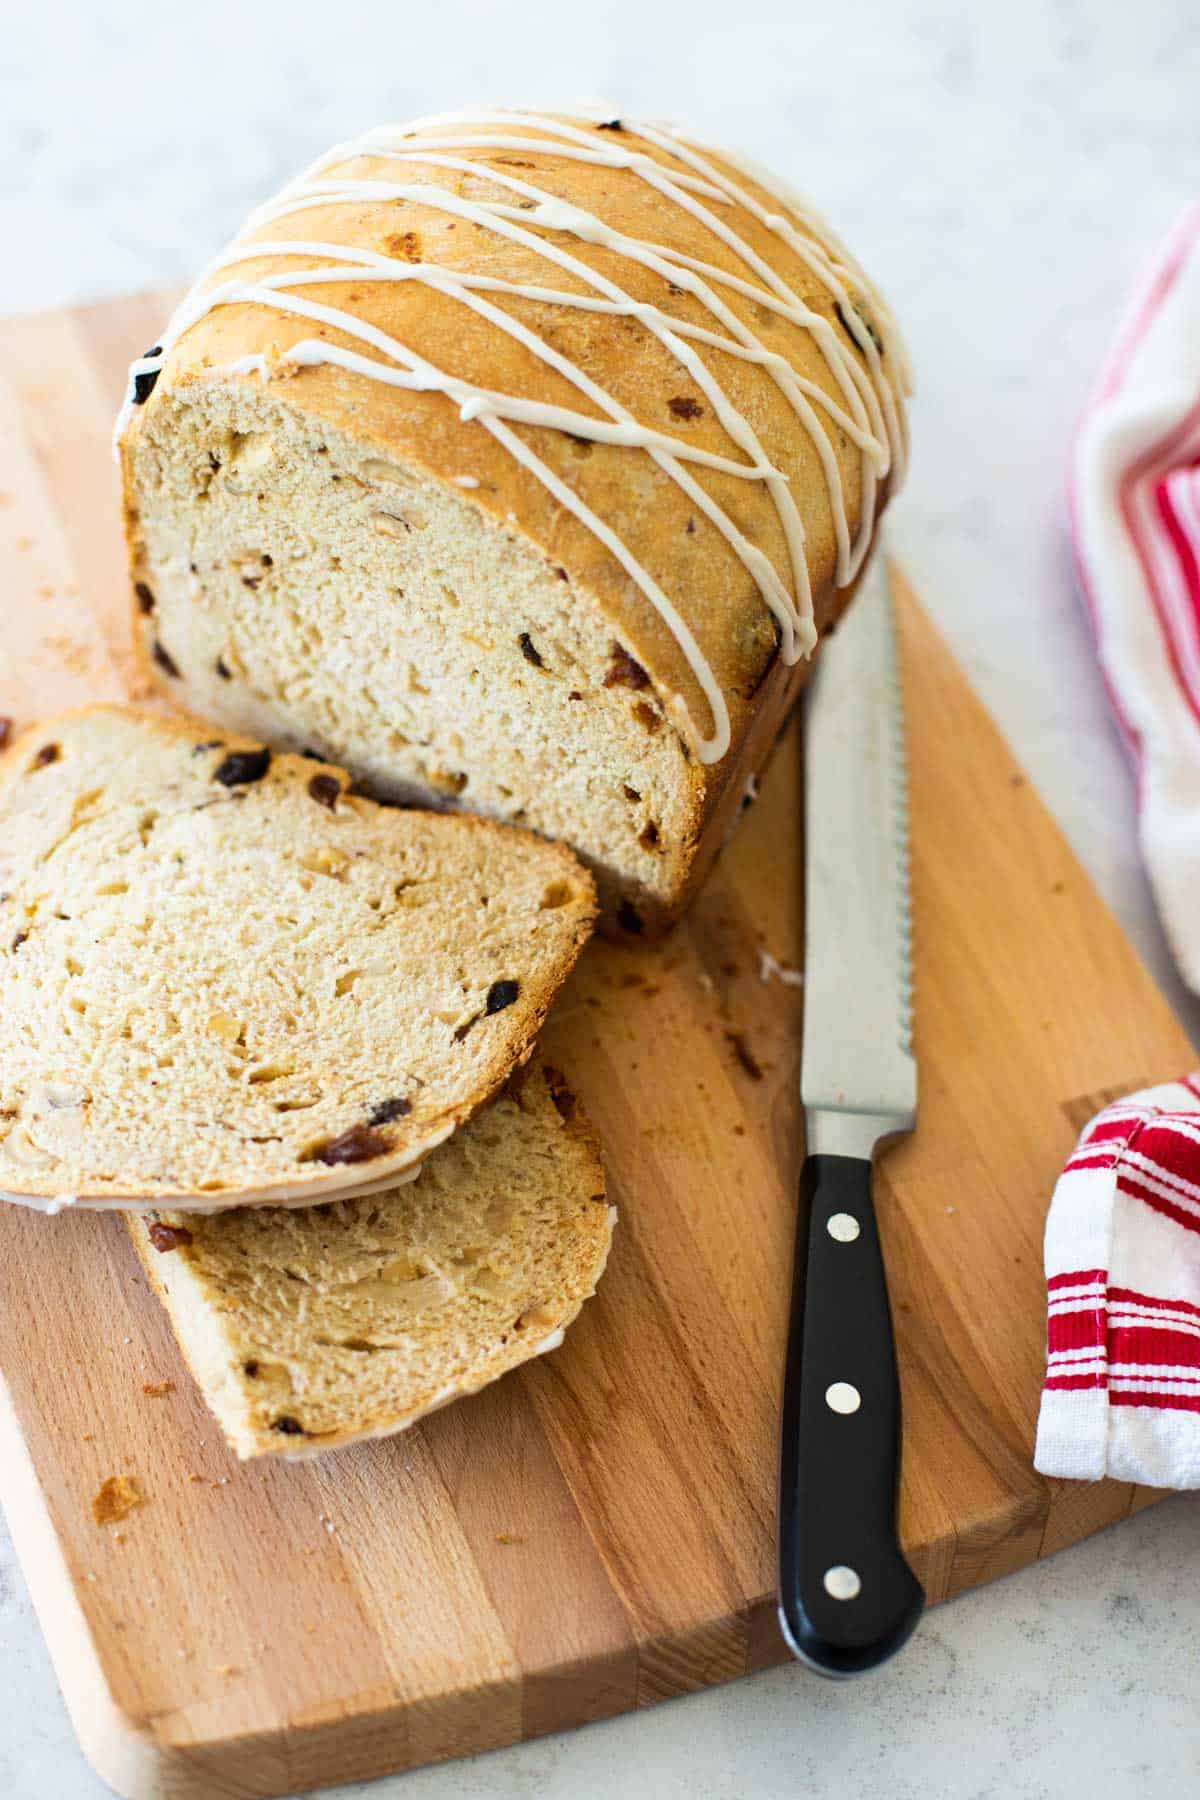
(595, 1533)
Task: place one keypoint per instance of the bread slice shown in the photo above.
(226, 978)
(307, 1328)
(477, 510)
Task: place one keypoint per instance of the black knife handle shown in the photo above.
(847, 1598)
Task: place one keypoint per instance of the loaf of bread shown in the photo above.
(518, 462)
(227, 978)
(309, 1327)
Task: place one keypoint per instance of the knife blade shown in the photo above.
(847, 1598)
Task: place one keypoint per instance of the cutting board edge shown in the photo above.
(118, 1748)
(127, 1752)
(130, 1755)
(133, 1756)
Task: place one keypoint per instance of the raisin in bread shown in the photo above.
(226, 978)
(518, 462)
(308, 1327)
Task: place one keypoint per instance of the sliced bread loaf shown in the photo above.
(517, 461)
(307, 1328)
(227, 978)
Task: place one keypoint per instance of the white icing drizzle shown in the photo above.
(255, 364)
(869, 412)
(559, 215)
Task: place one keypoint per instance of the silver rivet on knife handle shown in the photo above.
(842, 1583)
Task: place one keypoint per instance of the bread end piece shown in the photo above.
(307, 1330)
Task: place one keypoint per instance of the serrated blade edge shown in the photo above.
(858, 993)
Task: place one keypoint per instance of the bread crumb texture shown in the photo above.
(221, 982)
(309, 1327)
(347, 602)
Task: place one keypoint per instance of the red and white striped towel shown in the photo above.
(1122, 1393)
(1134, 498)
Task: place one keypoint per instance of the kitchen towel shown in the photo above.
(1134, 499)
(1122, 1392)
(1122, 1250)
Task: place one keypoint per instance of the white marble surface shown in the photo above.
(1005, 167)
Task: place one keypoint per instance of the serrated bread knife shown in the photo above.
(847, 1598)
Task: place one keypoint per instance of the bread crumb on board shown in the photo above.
(158, 1390)
(771, 969)
(115, 1498)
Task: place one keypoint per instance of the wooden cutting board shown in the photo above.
(595, 1533)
